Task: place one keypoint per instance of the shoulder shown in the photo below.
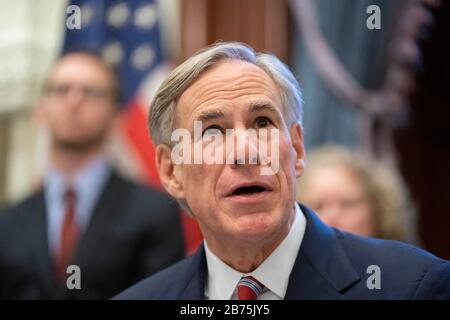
(16, 218)
(138, 194)
(137, 211)
(14, 213)
(164, 285)
(402, 267)
(360, 248)
(141, 205)
(405, 271)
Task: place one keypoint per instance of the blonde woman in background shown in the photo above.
(356, 194)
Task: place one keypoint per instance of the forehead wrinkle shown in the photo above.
(212, 94)
(229, 88)
(213, 88)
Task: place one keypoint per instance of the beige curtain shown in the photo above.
(30, 36)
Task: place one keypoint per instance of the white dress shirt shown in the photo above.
(273, 273)
(88, 183)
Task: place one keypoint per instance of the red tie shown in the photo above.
(69, 236)
(249, 288)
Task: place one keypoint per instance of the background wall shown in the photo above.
(31, 34)
(29, 38)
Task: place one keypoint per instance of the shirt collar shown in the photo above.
(222, 279)
(93, 171)
(87, 183)
(89, 180)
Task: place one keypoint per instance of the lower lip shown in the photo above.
(250, 198)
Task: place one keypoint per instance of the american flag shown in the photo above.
(127, 35)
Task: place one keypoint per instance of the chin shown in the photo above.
(255, 226)
(75, 144)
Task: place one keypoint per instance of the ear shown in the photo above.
(169, 173)
(296, 132)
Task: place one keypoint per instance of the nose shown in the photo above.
(245, 148)
(75, 96)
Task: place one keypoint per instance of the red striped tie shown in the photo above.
(249, 288)
(69, 236)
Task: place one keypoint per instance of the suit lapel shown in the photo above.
(35, 223)
(106, 206)
(322, 269)
(195, 285)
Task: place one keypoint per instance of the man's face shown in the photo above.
(234, 201)
(77, 107)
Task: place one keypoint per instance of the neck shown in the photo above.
(69, 161)
(245, 256)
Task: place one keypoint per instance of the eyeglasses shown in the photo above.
(61, 91)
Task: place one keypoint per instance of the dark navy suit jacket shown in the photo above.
(134, 232)
(330, 264)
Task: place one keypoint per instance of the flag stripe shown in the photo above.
(126, 34)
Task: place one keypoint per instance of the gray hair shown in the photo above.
(162, 111)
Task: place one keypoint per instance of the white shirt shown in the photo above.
(88, 183)
(273, 273)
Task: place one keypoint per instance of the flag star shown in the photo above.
(145, 16)
(86, 14)
(118, 15)
(113, 53)
(143, 57)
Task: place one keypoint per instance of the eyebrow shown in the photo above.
(262, 106)
(256, 106)
(210, 115)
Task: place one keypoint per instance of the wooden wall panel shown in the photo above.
(262, 24)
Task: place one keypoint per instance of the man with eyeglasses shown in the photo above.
(115, 232)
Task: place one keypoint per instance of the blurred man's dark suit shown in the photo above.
(133, 232)
(331, 264)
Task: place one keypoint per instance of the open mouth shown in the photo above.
(248, 190)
